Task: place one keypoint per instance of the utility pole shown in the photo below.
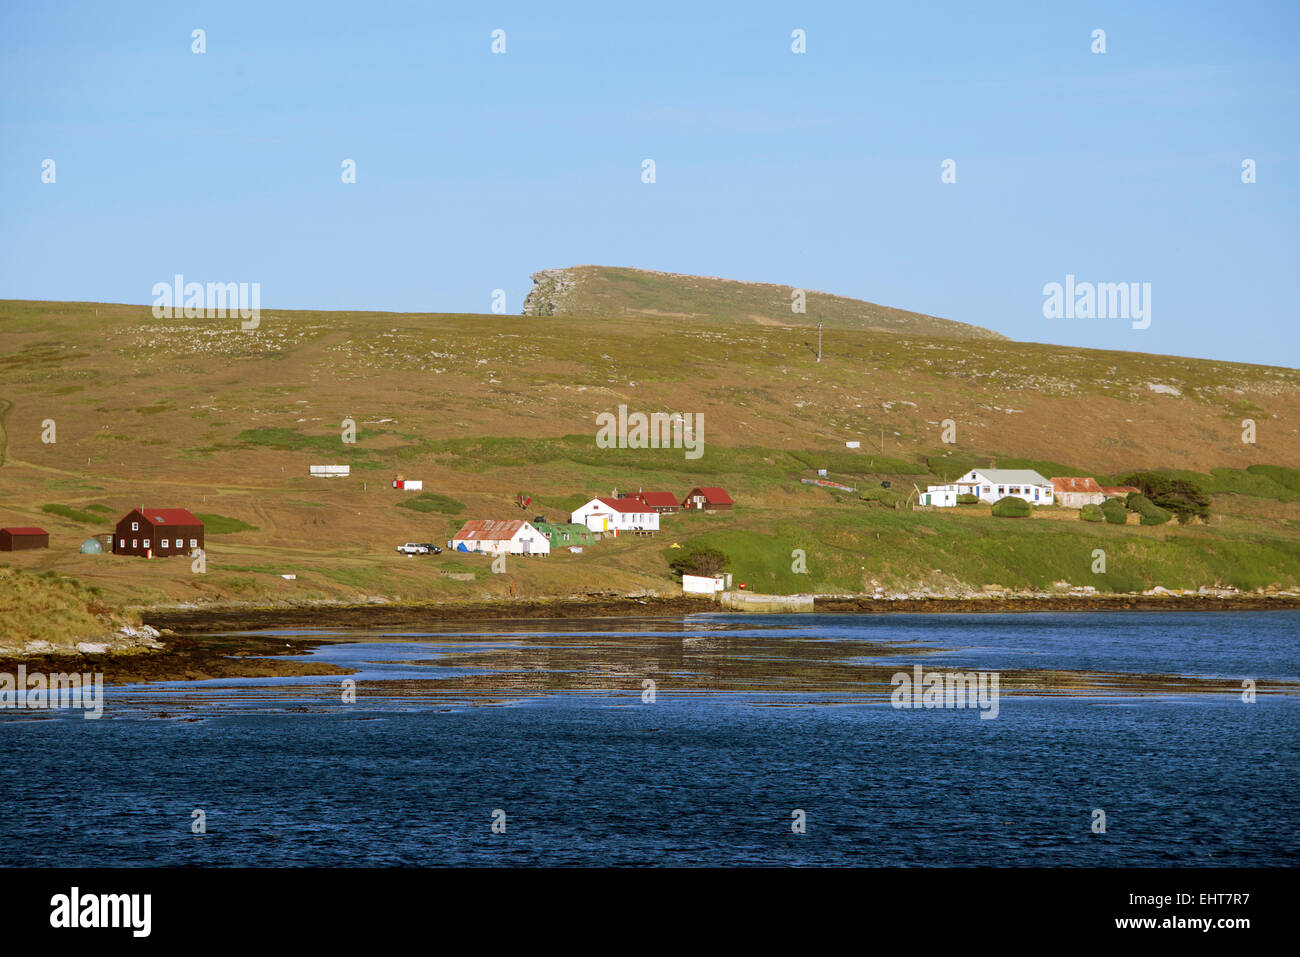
(819, 342)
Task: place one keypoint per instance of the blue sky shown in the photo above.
(819, 170)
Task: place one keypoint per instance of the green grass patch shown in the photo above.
(75, 514)
(223, 524)
(433, 502)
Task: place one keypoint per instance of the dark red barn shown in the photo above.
(708, 498)
(19, 538)
(158, 533)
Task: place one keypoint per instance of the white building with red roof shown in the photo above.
(1076, 492)
(617, 515)
(498, 536)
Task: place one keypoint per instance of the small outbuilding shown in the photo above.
(566, 534)
(708, 498)
(1076, 492)
(940, 496)
(1119, 491)
(22, 537)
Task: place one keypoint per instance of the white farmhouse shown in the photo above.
(989, 485)
(616, 515)
(496, 536)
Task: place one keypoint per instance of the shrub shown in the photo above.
(1181, 496)
(884, 497)
(700, 560)
(1092, 513)
(1115, 511)
(1011, 507)
(966, 498)
(1152, 514)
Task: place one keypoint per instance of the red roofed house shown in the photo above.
(157, 533)
(1075, 492)
(19, 538)
(617, 515)
(497, 536)
(661, 502)
(710, 498)
(1118, 491)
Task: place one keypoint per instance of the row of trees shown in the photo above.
(1181, 497)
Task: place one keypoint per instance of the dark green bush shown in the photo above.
(1011, 507)
(1092, 513)
(1181, 496)
(1114, 511)
(966, 498)
(700, 560)
(1152, 514)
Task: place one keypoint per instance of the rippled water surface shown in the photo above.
(287, 774)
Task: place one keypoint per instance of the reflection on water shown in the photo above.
(752, 718)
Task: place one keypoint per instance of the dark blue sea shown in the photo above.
(288, 775)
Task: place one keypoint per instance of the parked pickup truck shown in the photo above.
(413, 548)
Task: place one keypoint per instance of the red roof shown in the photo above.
(658, 499)
(490, 530)
(169, 516)
(624, 504)
(1075, 484)
(1119, 489)
(713, 494)
(25, 530)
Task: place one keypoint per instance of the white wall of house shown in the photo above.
(526, 541)
(599, 517)
(989, 486)
(700, 585)
(940, 496)
(1079, 499)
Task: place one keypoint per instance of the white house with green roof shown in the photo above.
(989, 485)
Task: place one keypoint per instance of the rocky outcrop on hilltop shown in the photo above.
(551, 288)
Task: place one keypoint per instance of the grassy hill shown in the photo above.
(614, 291)
(201, 414)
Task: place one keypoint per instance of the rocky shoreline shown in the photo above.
(195, 642)
(196, 619)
